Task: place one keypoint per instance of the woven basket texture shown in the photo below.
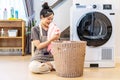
(69, 57)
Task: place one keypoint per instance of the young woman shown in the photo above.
(42, 61)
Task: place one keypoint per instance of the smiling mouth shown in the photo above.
(48, 23)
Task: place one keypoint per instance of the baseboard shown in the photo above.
(117, 59)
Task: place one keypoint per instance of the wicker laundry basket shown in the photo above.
(69, 57)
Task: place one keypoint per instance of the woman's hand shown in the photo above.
(55, 37)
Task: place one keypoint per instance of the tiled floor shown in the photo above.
(16, 68)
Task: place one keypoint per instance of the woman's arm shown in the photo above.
(39, 45)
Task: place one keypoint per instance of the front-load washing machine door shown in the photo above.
(95, 28)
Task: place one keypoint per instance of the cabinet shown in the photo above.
(12, 43)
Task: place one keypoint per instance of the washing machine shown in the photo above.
(94, 23)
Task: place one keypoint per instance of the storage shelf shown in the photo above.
(11, 37)
(8, 43)
(10, 47)
(11, 26)
(12, 20)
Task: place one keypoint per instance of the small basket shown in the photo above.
(12, 33)
(69, 57)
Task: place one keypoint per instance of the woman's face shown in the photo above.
(47, 20)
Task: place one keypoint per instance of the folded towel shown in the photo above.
(53, 29)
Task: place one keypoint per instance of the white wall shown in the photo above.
(37, 8)
(62, 14)
(117, 34)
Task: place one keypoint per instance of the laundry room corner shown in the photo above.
(59, 39)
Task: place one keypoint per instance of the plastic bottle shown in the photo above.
(12, 12)
(2, 32)
(5, 14)
(16, 14)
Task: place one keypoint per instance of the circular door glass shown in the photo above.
(95, 28)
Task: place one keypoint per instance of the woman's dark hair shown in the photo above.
(46, 10)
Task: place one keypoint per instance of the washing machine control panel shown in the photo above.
(86, 6)
(107, 7)
(94, 6)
